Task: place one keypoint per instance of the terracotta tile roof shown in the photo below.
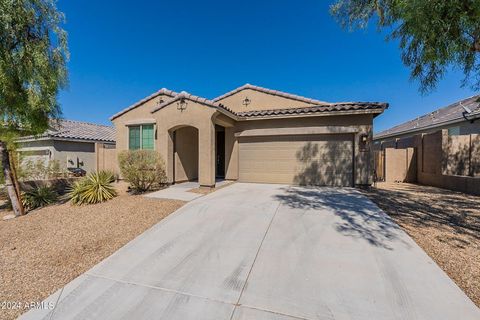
(269, 91)
(163, 91)
(330, 107)
(78, 130)
(188, 96)
(318, 107)
(453, 112)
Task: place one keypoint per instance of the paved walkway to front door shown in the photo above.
(181, 191)
(256, 251)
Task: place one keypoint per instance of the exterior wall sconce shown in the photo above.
(246, 101)
(159, 102)
(182, 104)
(363, 141)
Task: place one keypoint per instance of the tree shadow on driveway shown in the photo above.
(360, 218)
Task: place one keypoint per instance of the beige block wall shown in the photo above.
(106, 157)
(259, 101)
(457, 154)
(400, 165)
(431, 161)
(432, 154)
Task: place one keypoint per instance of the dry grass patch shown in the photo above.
(446, 224)
(49, 247)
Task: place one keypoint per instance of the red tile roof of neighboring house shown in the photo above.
(77, 130)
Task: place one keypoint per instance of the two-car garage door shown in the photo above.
(325, 160)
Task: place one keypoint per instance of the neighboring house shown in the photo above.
(460, 118)
(253, 134)
(74, 144)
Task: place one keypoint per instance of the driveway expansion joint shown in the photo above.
(159, 288)
(255, 259)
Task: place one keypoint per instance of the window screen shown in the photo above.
(147, 137)
(134, 138)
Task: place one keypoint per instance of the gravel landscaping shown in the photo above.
(446, 224)
(49, 247)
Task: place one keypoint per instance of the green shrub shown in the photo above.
(143, 169)
(39, 197)
(94, 188)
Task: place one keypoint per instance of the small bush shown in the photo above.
(143, 169)
(94, 188)
(39, 197)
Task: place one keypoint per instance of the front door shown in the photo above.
(220, 154)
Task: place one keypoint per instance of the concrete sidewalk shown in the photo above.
(253, 251)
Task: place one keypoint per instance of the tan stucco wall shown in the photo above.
(259, 101)
(196, 115)
(186, 154)
(139, 114)
(204, 118)
(80, 153)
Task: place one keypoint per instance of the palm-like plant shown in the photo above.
(94, 188)
(38, 197)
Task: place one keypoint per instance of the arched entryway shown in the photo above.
(186, 154)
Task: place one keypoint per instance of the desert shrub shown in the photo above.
(38, 197)
(143, 169)
(94, 188)
(40, 170)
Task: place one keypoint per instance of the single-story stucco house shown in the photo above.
(74, 144)
(459, 118)
(253, 134)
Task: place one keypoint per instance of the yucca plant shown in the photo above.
(38, 197)
(94, 188)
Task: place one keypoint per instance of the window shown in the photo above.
(134, 138)
(147, 137)
(454, 131)
(141, 137)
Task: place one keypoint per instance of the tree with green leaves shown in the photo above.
(33, 56)
(434, 35)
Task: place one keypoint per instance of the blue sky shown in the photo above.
(123, 51)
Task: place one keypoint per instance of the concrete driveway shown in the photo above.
(256, 251)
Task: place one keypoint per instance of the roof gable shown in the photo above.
(269, 91)
(191, 97)
(163, 91)
(253, 98)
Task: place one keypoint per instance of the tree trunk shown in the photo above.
(13, 169)
(10, 181)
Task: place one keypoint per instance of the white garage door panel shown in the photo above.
(304, 160)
